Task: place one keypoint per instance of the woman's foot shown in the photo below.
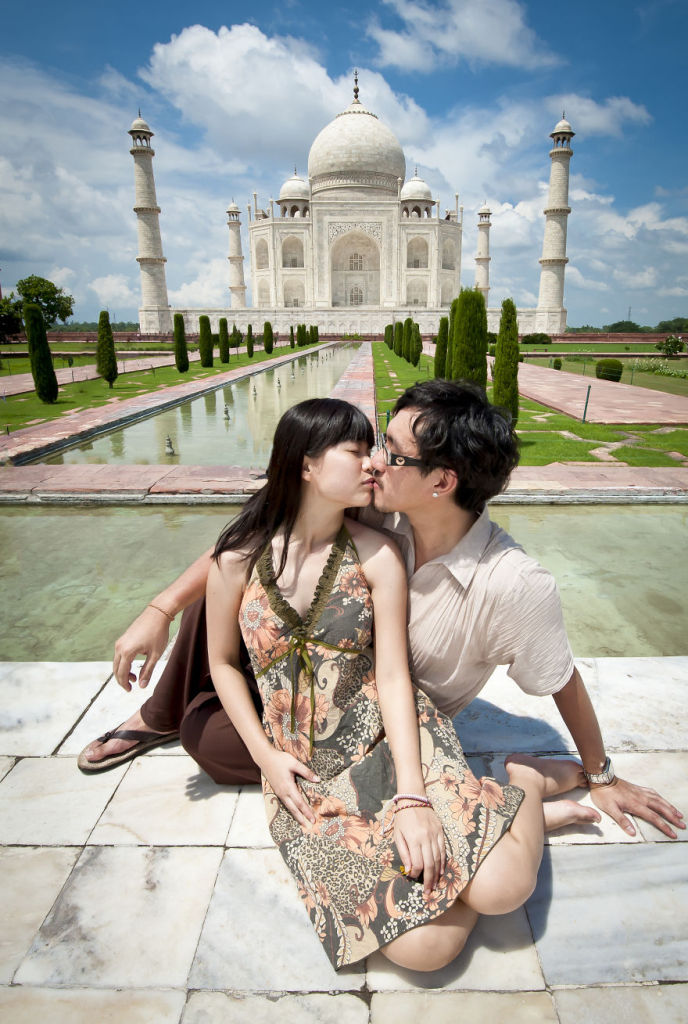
(553, 775)
(559, 813)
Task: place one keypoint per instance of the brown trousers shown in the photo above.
(185, 699)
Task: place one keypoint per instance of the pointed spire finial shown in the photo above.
(139, 111)
(356, 85)
(295, 174)
(415, 171)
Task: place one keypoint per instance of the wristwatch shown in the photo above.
(604, 777)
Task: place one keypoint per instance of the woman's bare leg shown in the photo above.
(436, 944)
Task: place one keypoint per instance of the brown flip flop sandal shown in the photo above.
(144, 741)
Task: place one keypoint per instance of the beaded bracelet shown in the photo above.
(407, 807)
(411, 796)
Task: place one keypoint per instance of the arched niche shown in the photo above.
(448, 255)
(294, 294)
(417, 292)
(262, 256)
(263, 293)
(355, 264)
(417, 253)
(292, 252)
(447, 294)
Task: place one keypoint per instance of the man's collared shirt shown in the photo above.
(484, 603)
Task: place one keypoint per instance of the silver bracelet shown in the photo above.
(604, 777)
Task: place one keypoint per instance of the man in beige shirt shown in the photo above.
(476, 600)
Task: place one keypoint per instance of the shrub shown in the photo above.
(609, 369)
(671, 346)
(44, 378)
(267, 337)
(249, 341)
(491, 350)
(223, 339)
(505, 371)
(469, 345)
(556, 365)
(181, 355)
(416, 345)
(539, 338)
(398, 338)
(389, 335)
(441, 349)
(106, 357)
(291, 337)
(406, 343)
(491, 338)
(205, 341)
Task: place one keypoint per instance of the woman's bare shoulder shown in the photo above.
(233, 565)
(372, 543)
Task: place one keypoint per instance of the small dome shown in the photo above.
(485, 209)
(295, 188)
(416, 188)
(356, 149)
(139, 125)
(563, 127)
(233, 208)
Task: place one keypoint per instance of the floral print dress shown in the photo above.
(317, 681)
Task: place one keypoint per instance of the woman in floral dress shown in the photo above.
(368, 795)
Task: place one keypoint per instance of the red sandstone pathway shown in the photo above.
(609, 402)
(21, 383)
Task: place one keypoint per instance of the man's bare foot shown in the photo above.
(559, 813)
(98, 751)
(556, 775)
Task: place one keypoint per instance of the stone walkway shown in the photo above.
(151, 894)
(21, 383)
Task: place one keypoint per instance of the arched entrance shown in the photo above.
(355, 270)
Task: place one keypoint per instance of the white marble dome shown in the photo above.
(139, 125)
(416, 188)
(563, 126)
(295, 188)
(356, 149)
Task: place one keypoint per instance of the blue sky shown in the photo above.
(236, 94)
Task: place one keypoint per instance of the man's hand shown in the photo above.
(280, 769)
(148, 635)
(621, 798)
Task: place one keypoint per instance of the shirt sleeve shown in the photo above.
(532, 635)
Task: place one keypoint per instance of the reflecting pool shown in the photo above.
(74, 578)
(232, 425)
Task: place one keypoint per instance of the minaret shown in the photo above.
(554, 259)
(482, 257)
(155, 312)
(236, 259)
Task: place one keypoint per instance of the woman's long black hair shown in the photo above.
(304, 431)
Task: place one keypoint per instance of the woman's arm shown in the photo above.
(226, 582)
(418, 831)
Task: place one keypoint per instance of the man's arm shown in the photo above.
(149, 633)
(620, 797)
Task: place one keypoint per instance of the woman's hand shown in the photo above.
(281, 769)
(420, 842)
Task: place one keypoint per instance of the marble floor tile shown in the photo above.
(257, 935)
(6, 764)
(128, 917)
(24, 1005)
(665, 771)
(47, 801)
(450, 1007)
(238, 1008)
(41, 701)
(165, 801)
(606, 831)
(612, 914)
(30, 880)
(637, 1004)
(499, 955)
(112, 707)
(250, 825)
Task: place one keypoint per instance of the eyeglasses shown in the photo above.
(392, 458)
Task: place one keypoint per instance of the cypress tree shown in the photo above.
(441, 349)
(406, 345)
(106, 358)
(249, 341)
(181, 355)
(223, 339)
(416, 345)
(398, 338)
(291, 337)
(44, 378)
(505, 369)
(205, 341)
(389, 335)
(267, 337)
(469, 348)
(316, 334)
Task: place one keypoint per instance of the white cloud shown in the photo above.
(588, 117)
(209, 287)
(489, 32)
(575, 278)
(113, 289)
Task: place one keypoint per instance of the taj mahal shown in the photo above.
(355, 246)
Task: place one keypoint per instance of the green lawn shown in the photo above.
(654, 381)
(18, 411)
(546, 435)
(592, 346)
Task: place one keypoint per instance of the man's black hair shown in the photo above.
(457, 428)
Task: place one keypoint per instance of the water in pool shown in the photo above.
(74, 578)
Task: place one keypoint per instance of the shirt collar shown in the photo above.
(462, 560)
